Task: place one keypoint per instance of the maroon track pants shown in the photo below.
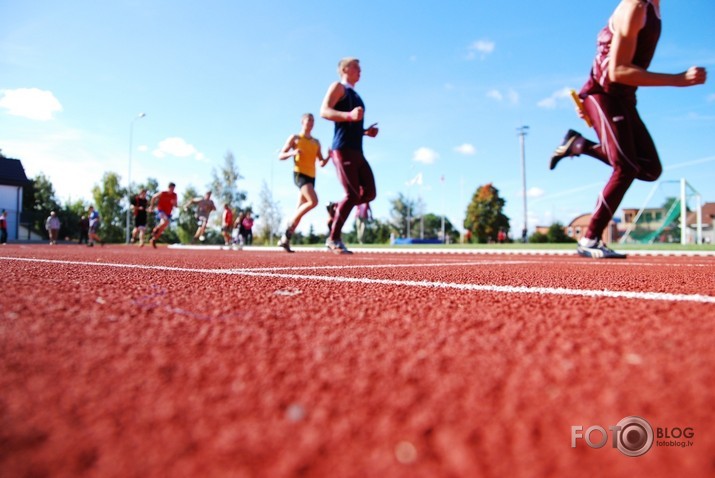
(355, 175)
(627, 145)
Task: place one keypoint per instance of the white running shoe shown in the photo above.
(598, 251)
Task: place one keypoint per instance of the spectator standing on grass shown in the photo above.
(247, 229)
(84, 229)
(204, 207)
(53, 227)
(94, 222)
(3, 227)
(345, 108)
(238, 228)
(226, 224)
(139, 208)
(165, 202)
(501, 236)
(626, 46)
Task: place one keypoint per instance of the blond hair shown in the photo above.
(343, 63)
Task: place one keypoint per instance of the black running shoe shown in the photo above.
(285, 243)
(599, 251)
(565, 149)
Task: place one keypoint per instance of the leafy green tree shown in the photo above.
(312, 237)
(484, 214)
(433, 227)
(108, 201)
(556, 234)
(270, 216)
(71, 214)
(405, 212)
(538, 238)
(187, 223)
(224, 186)
(152, 187)
(38, 200)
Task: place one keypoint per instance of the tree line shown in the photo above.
(484, 218)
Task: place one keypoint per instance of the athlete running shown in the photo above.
(625, 49)
(344, 106)
(305, 151)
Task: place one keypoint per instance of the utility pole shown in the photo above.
(521, 132)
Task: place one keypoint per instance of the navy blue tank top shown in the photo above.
(348, 134)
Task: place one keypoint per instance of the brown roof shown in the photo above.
(708, 214)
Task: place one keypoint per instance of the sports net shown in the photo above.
(659, 219)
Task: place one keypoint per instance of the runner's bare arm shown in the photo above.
(286, 151)
(328, 111)
(628, 20)
(323, 159)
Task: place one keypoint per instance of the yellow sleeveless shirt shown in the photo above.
(305, 160)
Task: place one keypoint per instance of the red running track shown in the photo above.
(120, 361)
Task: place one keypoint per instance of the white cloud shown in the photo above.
(480, 48)
(466, 149)
(177, 147)
(495, 95)
(552, 101)
(425, 156)
(510, 95)
(534, 192)
(31, 103)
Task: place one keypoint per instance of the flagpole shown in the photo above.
(444, 238)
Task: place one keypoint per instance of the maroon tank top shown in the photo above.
(648, 37)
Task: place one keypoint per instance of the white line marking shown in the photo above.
(652, 296)
(659, 296)
(441, 250)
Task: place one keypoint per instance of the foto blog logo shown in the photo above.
(632, 436)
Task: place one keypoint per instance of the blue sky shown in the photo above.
(448, 82)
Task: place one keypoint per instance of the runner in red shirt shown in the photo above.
(165, 202)
(227, 225)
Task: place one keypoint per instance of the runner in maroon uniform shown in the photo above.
(625, 49)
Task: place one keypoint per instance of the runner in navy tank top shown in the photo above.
(344, 106)
(625, 49)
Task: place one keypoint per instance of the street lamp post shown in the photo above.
(129, 173)
(521, 131)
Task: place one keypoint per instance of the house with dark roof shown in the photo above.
(12, 181)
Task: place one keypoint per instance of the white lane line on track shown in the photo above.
(587, 263)
(496, 288)
(441, 250)
(651, 296)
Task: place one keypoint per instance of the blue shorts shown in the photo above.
(162, 216)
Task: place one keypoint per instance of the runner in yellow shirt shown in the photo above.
(305, 150)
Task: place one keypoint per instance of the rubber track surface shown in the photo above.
(120, 361)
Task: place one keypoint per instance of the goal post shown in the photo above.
(664, 215)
